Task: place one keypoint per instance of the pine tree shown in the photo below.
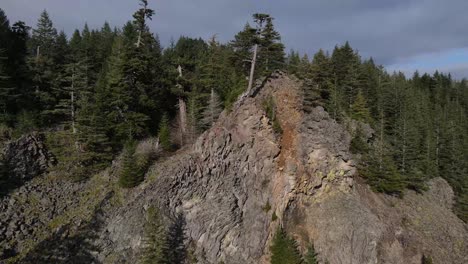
(131, 173)
(42, 65)
(127, 121)
(155, 246)
(44, 36)
(284, 249)
(345, 63)
(242, 45)
(293, 62)
(304, 67)
(193, 117)
(380, 172)
(320, 73)
(271, 55)
(164, 134)
(5, 91)
(212, 111)
(359, 110)
(177, 253)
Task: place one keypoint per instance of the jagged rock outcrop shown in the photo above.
(226, 187)
(27, 157)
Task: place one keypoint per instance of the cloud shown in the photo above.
(453, 61)
(391, 31)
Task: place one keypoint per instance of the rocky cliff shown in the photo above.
(223, 192)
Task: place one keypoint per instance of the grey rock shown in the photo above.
(28, 157)
(222, 183)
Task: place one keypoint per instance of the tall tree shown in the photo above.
(42, 65)
(359, 110)
(212, 110)
(155, 245)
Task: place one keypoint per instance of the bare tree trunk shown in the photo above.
(38, 52)
(381, 141)
(404, 146)
(72, 95)
(141, 29)
(212, 106)
(182, 113)
(252, 69)
(437, 145)
(72, 100)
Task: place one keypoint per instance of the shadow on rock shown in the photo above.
(69, 245)
(176, 240)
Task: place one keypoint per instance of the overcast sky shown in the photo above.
(401, 34)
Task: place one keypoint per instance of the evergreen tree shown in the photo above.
(177, 253)
(320, 73)
(359, 110)
(5, 91)
(42, 65)
(212, 111)
(131, 173)
(284, 249)
(193, 117)
(345, 63)
(44, 36)
(155, 246)
(13, 72)
(304, 67)
(380, 172)
(164, 134)
(293, 62)
(271, 55)
(242, 45)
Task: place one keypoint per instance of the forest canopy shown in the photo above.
(98, 89)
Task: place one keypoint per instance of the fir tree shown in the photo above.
(293, 62)
(284, 249)
(359, 110)
(212, 110)
(131, 173)
(193, 117)
(5, 91)
(320, 73)
(177, 253)
(155, 246)
(42, 65)
(380, 172)
(164, 134)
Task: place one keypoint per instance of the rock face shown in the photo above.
(27, 157)
(223, 190)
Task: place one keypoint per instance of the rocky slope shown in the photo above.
(223, 191)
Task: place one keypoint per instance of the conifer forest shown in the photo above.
(96, 93)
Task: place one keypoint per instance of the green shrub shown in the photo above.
(426, 260)
(274, 217)
(269, 106)
(311, 256)
(267, 207)
(284, 249)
